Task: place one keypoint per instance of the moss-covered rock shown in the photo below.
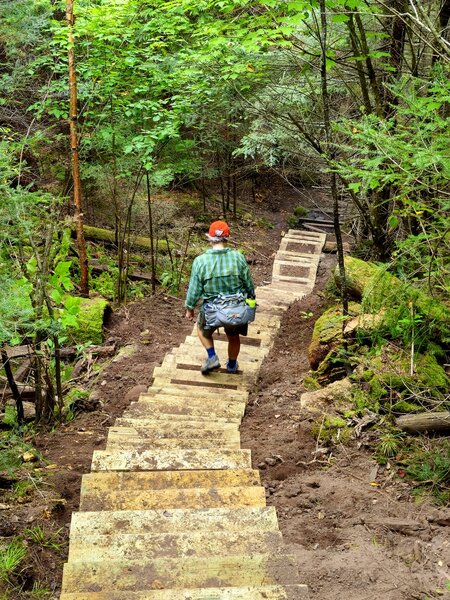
(90, 321)
(388, 378)
(327, 333)
(398, 302)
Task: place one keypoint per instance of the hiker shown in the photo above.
(219, 270)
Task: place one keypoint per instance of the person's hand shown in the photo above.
(189, 314)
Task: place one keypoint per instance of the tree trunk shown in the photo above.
(73, 119)
(150, 225)
(12, 384)
(330, 150)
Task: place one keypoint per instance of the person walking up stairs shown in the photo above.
(173, 509)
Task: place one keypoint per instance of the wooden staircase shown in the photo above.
(172, 509)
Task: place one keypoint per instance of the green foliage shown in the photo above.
(11, 557)
(389, 444)
(40, 537)
(91, 316)
(431, 471)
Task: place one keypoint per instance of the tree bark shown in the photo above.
(13, 386)
(331, 153)
(432, 421)
(73, 121)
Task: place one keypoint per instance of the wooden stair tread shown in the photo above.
(269, 592)
(139, 443)
(195, 498)
(176, 460)
(173, 520)
(189, 572)
(128, 546)
(162, 480)
(160, 430)
(209, 408)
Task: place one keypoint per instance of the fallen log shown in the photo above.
(134, 275)
(97, 234)
(431, 421)
(97, 350)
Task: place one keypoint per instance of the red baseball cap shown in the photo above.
(219, 229)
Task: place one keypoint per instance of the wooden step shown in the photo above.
(185, 406)
(191, 572)
(106, 482)
(159, 430)
(176, 460)
(195, 498)
(174, 520)
(268, 592)
(173, 389)
(120, 546)
(152, 436)
(119, 442)
(177, 421)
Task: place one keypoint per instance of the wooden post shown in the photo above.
(73, 120)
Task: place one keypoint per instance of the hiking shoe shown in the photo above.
(210, 364)
(232, 369)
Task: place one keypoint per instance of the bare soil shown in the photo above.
(332, 515)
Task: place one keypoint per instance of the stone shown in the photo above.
(134, 393)
(338, 393)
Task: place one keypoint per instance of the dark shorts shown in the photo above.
(208, 333)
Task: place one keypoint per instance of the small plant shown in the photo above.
(38, 535)
(300, 211)
(389, 444)
(10, 559)
(38, 592)
(431, 471)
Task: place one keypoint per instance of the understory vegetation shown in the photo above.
(187, 111)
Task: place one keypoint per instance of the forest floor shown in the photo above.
(359, 533)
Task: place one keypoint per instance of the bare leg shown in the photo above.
(206, 341)
(234, 345)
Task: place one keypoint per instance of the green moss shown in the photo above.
(389, 371)
(300, 211)
(329, 429)
(402, 406)
(329, 325)
(407, 309)
(362, 400)
(90, 321)
(106, 235)
(310, 383)
(358, 273)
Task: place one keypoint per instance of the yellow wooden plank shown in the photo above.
(100, 548)
(119, 442)
(162, 480)
(275, 592)
(217, 571)
(175, 389)
(195, 498)
(161, 430)
(184, 406)
(157, 421)
(176, 460)
(173, 521)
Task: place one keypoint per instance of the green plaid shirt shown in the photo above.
(218, 271)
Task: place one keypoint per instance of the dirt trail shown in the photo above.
(332, 515)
